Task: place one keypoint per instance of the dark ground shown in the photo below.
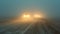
(47, 27)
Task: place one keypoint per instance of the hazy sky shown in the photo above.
(10, 8)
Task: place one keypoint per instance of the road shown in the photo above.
(30, 28)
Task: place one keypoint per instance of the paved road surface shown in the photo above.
(30, 28)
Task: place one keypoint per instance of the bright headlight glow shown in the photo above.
(37, 16)
(30, 16)
(26, 16)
